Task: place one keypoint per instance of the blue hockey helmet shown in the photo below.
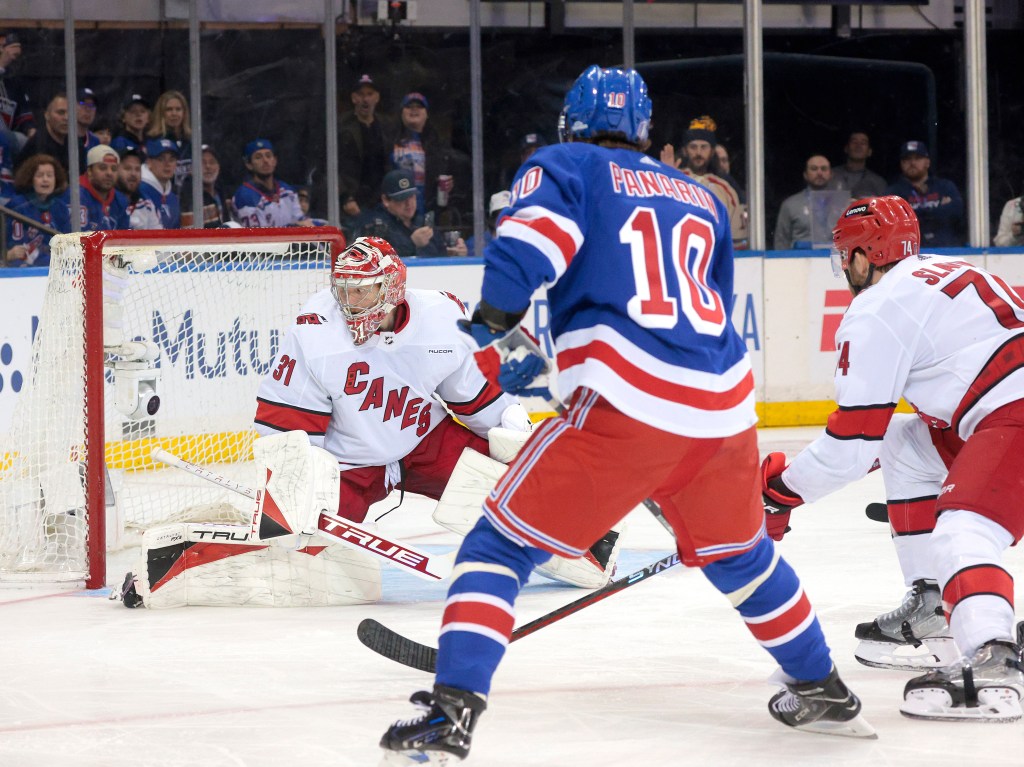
(606, 101)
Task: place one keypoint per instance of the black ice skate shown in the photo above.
(987, 687)
(913, 637)
(591, 571)
(827, 707)
(442, 732)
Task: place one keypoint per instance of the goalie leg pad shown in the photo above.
(182, 565)
(461, 503)
(296, 482)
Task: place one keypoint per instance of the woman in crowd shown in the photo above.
(171, 120)
(42, 185)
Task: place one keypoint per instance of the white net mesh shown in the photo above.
(212, 318)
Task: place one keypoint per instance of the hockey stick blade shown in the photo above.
(877, 512)
(392, 645)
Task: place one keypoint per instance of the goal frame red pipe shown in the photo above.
(93, 245)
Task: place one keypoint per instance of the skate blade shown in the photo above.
(995, 704)
(936, 652)
(417, 759)
(858, 727)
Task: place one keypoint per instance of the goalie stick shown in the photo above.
(392, 645)
(338, 529)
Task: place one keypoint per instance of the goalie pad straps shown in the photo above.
(220, 565)
(296, 481)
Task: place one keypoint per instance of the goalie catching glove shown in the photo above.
(779, 501)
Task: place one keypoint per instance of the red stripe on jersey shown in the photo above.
(481, 614)
(552, 231)
(869, 422)
(651, 384)
(782, 624)
(197, 554)
(1007, 359)
(485, 397)
(912, 516)
(975, 580)
(291, 418)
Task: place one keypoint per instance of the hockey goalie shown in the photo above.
(372, 375)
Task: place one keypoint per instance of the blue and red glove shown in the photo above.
(779, 501)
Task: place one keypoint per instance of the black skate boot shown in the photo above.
(601, 552)
(827, 707)
(987, 687)
(441, 733)
(913, 637)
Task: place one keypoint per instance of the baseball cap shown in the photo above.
(125, 146)
(10, 38)
(499, 201)
(102, 153)
(532, 139)
(157, 146)
(409, 98)
(137, 98)
(87, 94)
(254, 146)
(365, 80)
(398, 185)
(913, 147)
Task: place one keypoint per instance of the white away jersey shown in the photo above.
(370, 405)
(944, 334)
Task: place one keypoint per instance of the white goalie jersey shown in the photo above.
(370, 405)
(940, 332)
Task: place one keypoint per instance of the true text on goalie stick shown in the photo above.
(337, 529)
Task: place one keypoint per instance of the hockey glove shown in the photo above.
(510, 358)
(779, 501)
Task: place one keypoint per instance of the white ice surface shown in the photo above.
(662, 674)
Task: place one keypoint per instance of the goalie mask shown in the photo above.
(368, 281)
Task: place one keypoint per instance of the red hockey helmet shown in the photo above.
(884, 228)
(368, 281)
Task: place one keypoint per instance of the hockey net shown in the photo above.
(194, 317)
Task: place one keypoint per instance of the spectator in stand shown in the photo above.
(135, 119)
(807, 217)
(42, 185)
(170, 120)
(936, 201)
(7, 190)
(395, 220)
(531, 143)
(141, 210)
(418, 149)
(52, 139)
(854, 175)
(499, 201)
(85, 116)
(103, 207)
(104, 131)
(364, 151)
(1011, 224)
(158, 181)
(697, 150)
(216, 209)
(16, 119)
(262, 200)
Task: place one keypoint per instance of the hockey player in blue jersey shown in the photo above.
(638, 263)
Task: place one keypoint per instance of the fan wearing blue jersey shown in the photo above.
(638, 263)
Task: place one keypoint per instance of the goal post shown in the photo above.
(146, 339)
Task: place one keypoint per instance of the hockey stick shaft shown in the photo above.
(337, 529)
(396, 647)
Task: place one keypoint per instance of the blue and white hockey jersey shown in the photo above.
(638, 262)
(256, 206)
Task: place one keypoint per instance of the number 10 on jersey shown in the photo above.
(692, 246)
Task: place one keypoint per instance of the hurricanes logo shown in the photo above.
(12, 378)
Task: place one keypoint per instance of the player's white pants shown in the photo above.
(912, 469)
